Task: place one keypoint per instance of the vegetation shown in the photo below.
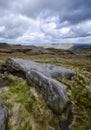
(27, 109)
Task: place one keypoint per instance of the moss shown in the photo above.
(83, 99)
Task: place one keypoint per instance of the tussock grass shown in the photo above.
(77, 93)
(27, 109)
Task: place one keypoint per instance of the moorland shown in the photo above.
(27, 110)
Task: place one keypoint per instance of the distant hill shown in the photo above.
(81, 49)
(62, 49)
(16, 48)
(58, 46)
(19, 46)
(4, 44)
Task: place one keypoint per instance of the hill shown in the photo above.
(58, 46)
(27, 110)
(16, 48)
(81, 49)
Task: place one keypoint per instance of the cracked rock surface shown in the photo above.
(48, 70)
(53, 92)
(41, 76)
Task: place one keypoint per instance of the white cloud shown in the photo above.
(2, 28)
(64, 30)
(44, 21)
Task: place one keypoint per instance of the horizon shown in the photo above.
(41, 22)
(63, 46)
(45, 44)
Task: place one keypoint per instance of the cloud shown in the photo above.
(45, 21)
(67, 10)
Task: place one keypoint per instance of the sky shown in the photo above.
(45, 21)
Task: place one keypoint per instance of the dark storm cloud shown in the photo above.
(67, 10)
(45, 19)
(77, 11)
(4, 4)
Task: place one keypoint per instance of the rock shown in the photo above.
(16, 64)
(40, 75)
(3, 116)
(89, 93)
(53, 92)
(64, 125)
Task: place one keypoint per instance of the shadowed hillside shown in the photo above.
(81, 49)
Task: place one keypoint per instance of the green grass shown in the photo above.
(27, 109)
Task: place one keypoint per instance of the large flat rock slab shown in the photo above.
(41, 76)
(48, 70)
(53, 92)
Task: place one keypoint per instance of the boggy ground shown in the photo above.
(27, 110)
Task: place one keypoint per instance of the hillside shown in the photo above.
(6, 48)
(27, 109)
(58, 46)
(30, 49)
(81, 49)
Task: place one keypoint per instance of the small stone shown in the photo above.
(3, 116)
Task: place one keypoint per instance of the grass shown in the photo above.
(77, 92)
(27, 109)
